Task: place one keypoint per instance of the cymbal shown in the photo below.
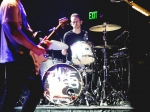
(56, 45)
(101, 28)
(107, 46)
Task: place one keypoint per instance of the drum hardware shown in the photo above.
(117, 67)
(124, 48)
(52, 54)
(96, 92)
(121, 67)
(96, 81)
(113, 93)
(118, 56)
(116, 98)
(121, 35)
(122, 39)
(118, 53)
(85, 38)
(85, 69)
(78, 60)
(87, 96)
(103, 94)
(107, 46)
(104, 28)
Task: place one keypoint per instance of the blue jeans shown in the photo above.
(19, 75)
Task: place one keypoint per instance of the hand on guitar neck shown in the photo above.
(45, 43)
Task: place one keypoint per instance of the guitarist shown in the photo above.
(18, 64)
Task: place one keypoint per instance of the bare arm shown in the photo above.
(12, 29)
(64, 51)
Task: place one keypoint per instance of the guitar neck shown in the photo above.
(62, 23)
(50, 35)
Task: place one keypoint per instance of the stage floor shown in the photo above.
(52, 108)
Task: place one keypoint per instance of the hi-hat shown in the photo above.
(108, 27)
(56, 45)
(106, 46)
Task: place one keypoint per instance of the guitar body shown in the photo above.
(37, 60)
(31, 59)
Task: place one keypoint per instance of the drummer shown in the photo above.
(74, 35)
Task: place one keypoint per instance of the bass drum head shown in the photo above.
(62, 84)
(48, 63)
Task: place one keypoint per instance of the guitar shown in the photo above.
(39, 59)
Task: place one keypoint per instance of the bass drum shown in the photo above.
(62, 84)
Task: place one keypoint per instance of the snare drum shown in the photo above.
(62, 84)
(82, 53)
(48, 63)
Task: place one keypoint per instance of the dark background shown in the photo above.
(44, 14)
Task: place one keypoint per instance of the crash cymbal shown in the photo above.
(101, 28)
(107, 46)
(56, 45)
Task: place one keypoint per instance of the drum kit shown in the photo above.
(65, 84)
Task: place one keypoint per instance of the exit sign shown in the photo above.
(93, 15)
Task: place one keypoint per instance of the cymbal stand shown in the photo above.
(53, 56)
(118, 95)
(103, 93)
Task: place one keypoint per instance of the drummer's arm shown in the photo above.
(64, 52)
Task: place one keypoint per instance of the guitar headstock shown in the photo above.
(63, 22)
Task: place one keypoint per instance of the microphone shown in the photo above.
(120, 35)
(117, 0)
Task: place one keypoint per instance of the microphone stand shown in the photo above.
(103, 93)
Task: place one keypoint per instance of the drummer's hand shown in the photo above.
(64, 52)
